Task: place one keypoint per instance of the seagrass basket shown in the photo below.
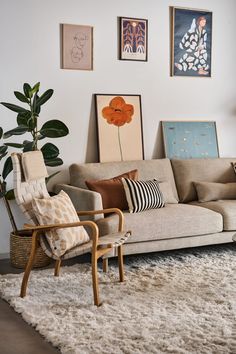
(20, 246)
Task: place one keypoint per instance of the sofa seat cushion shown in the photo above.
(172, 221)
(227, 208)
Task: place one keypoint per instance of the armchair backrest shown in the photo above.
(29, 172)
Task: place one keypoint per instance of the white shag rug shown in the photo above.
(181, 302)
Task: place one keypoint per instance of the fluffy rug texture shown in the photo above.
(181, 302)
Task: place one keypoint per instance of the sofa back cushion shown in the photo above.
(159, 169)
(203, 170)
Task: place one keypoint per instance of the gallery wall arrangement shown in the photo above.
(119, 117)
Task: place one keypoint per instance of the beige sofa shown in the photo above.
(185, 224)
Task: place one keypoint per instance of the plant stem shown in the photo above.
(121, 155)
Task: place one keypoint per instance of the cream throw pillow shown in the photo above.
(59, 210)
(167, 192)
(209, 191)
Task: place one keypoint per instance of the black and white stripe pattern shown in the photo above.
(142, 195)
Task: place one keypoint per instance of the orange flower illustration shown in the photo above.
(118, 113)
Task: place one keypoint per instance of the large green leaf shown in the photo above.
(54, 129)
(28, 145)
(14, 107)
(23, 118)
(54, 162)
(27, 90)
(36, 107)
(35, 88)
(1, 132)
(21, 129)
(15, 145)
(50, 151)
(7, 168)
(3, 149)
(21, 97)
(44, 97)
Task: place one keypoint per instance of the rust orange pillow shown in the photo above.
(112, 190)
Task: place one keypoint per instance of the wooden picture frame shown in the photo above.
(133, 39)
(119, 126)
(77, 47)
(191, 42)
(190, 139)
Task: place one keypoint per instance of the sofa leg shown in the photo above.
(57, 268)
(105, 265)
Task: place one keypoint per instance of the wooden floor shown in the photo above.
(16, 336)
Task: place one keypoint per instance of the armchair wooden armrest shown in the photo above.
(106, 211)
(39, 228)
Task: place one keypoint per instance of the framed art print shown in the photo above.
(119, 124)
(133, 38)
(187, 140)
(191, 42)
(77, 47)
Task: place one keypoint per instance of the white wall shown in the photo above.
(30, 52)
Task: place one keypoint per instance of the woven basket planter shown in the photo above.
(20, 246)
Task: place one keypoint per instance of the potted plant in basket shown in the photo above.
(27, 123)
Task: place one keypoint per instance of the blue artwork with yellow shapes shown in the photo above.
(188, 140)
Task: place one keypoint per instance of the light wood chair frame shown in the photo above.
(96, 252)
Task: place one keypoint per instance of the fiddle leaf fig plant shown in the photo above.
(27, 120)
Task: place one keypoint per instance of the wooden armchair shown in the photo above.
(29, 173)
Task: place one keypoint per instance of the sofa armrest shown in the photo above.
(83, 199)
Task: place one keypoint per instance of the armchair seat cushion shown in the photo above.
(227, 208)
(172, 221)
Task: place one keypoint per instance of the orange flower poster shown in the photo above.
(119, 122)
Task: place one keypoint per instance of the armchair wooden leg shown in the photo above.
(29, 265)
(95, 278)
(121, 264)
(105, 265)
(57, 268)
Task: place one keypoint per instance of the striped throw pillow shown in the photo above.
(142, 195)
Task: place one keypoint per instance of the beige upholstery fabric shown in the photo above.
(167, 193)
(33, 165)
(207, 170)
(181, 242)
(227, 208)
(58, 210)
(209, 191)
(82, 199)
(159, 169)
(172, 221)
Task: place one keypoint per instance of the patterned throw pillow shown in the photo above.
(143, 195)
(57, 210)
